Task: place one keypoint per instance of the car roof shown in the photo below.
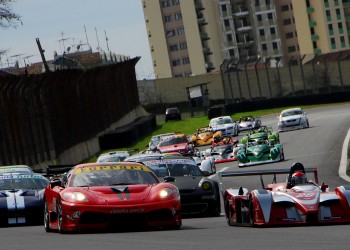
(292, 109)
(221, 117)
(15, 168)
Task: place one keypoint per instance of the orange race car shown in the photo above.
(205, 136)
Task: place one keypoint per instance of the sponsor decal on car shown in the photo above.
(114, 167)
(127, 210)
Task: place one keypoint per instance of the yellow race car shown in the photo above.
(205, 136)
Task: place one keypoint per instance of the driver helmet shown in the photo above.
(298, 178)
(225, 140)
(260, 141)
(261, 130)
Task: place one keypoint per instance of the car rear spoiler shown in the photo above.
(52, 170)
(273, 172)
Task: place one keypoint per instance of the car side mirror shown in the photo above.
(169, 179)
(206, 173)
(55, 183)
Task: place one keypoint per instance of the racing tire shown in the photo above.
(282, 156)
(47, 218)
(251, 212)
(60, 217)
(228, 214)
(307, 124)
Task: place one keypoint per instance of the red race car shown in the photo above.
(176, 143)
(297, 201)
(110, 195)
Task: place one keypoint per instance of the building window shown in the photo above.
(229, 37)
(165, 3)
(330, 27)
(268, 2)
(340, 26)
(231, 52)
(227, 23)
(274, 45)
(185, 60)
(264, 47)
(176, 2)
(342, 39)
(270, 16)
(289, 35)
(174, 47)
(287, 21)
(291, 49)
(332, 41)
(284, 8)
(170, 33)
(178, 16)
(180, 31)
(188, 73)
(257, 3)
(167, 18)
(183, 46)
(262, 32)
(175, 62)
(259, 17)
(272, 30)
(224, 8)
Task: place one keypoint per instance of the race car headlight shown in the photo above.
(165, 193)
(206, 185)
(75, 197)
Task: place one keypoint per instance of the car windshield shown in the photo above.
(115, 158)
(8, 182)
(246, 119)
(111, 175)
(175, 169)
(172, 141)
(292, 112)
(220, 121)
(172, 111)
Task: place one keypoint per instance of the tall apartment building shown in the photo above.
(189, 37)
(183, 36)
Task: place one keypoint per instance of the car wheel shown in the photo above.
(282, 156)
(251, 212)
(60, 217)
(46, 218)
(307, 124)
(228, 213)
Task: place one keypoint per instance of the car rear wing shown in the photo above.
(273, 172)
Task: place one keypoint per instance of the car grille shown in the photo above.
(125, 219)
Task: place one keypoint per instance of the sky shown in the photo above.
(60, 24)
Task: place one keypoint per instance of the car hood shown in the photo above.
(291, 117)
(245, 124)
(305, 197)
(175, 147)
(118, 194)
(223, 126)
(187, 182)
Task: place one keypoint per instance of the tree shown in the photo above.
(7, 17)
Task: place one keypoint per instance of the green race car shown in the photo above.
(260, 151)
(263, 132)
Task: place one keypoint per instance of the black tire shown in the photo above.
(46, 218)
(228, 214)
(251, 212)
(282, 156)
(60, 217)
